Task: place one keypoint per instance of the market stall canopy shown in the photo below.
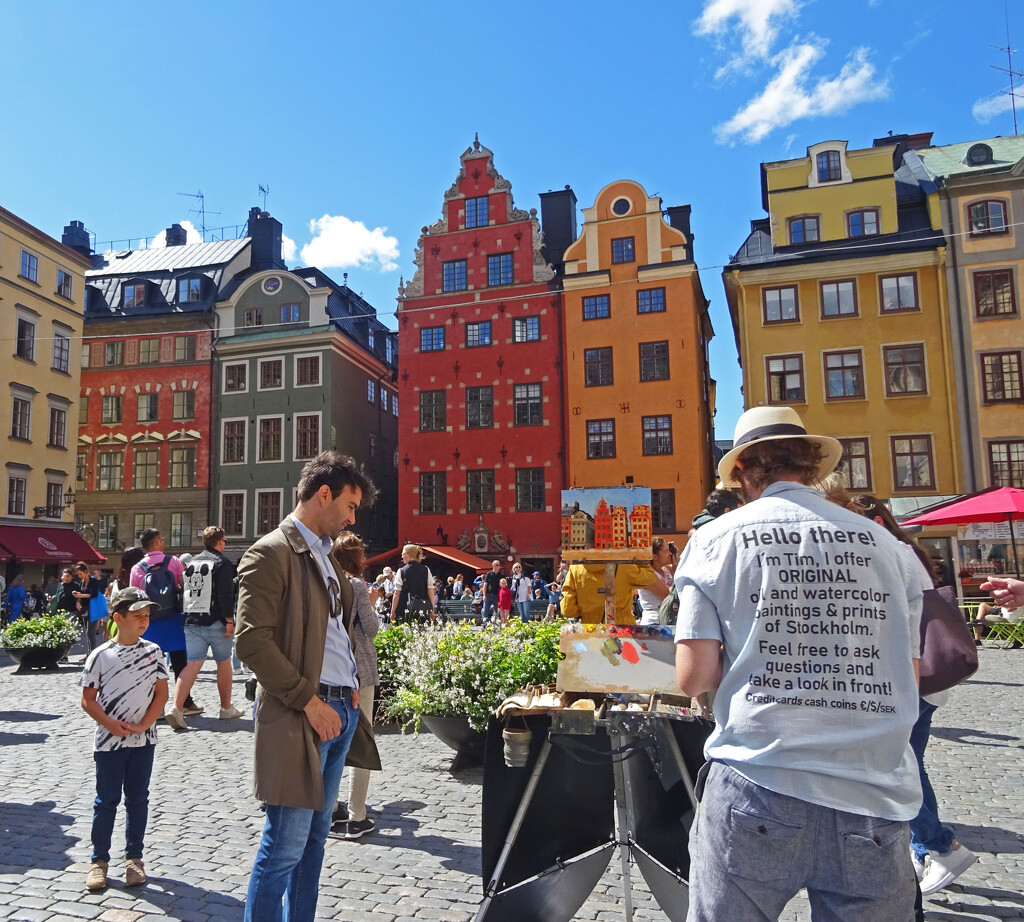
(393, 558)
(34, 544)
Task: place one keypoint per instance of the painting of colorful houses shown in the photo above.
(614, 522)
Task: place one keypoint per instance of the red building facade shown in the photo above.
(480, 449)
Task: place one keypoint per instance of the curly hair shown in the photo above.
(763, 462)
(350, 552)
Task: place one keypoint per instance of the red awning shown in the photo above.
(394, 557)
(35, 544)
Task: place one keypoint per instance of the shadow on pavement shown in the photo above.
(164, 892)
(398, 815)
(992, 893)
(1006, 841)
(20, 739)
(33, 836)
(972, 736)
(19, 717)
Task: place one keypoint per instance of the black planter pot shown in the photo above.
(457, 733)
(46, 658)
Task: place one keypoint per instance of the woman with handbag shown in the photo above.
(414, 588)
(92, 604)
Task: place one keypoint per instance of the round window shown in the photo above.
(621, 205)
(271, 285)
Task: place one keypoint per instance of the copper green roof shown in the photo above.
(951, 159)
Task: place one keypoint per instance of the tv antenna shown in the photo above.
(199, 210)
(264, 191)
(1008, 70)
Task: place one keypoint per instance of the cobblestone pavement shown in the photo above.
(423, 860)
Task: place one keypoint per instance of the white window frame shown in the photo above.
(224, 377)
(245, 452)
(259, 372)
(256, 439)
(35, 276)
(295, 434)
(320, 368)
(245, 511)
(61, 332)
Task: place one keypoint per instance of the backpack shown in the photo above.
(198, 593)
(161, 587)
(668, 611)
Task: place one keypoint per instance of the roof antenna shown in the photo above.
(201, 210)
(1009, 67)
(264, 191)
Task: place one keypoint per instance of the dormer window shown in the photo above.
(829, 166)
(134, 294)
(190, 290)
(987, 218)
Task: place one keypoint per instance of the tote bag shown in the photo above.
(98, 608)
(948, 651)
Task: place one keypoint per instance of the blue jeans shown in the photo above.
(524, 610)
(285, 879)
(751, 850)
(125, 770)
(927, 832)
(490, 607)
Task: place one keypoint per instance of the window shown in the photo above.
(453, 275)
(433, 492)
(181, 529)
(149, 351)
(663, 510)
(184, 406)
(389, 350)
(654, 361)
(135, 294)
(106, 530)
(855, 466)
(307, 435)
(185, 348)
(844, 374)
(307, 370)
(622, 250)
(394, 404)
(595, 307)
(431, 339)
(111, 470)
(235, 378)
(476, 212)
(113, 353)
(146, 469)
(780, 304)
(993, 293)
(21, 418)
(432, 411)
(86, 358)
(58, 428)
(54, 500)
(83, 410)
(829, 168)
(1001, 377)
(268, 510)
(270, 438)
(527, 405)
(657, 435)
(142, 521)
(650, 301)
(271, 374)
(785, 378)
(232, 513)
(82, 470)
(233, 441)
(987, 218)
(499, 269)
(372, 452)
(862, 223)
(803, 230)
(383, 399)
(61, 359)
(529, 489)
(480, 491)
(839, 299)
(526, 329)
(597, 366)
(899, 293)
(253, 317)
(111, 410)
(1006, 463)
(25, 346)
(183, 466)
(29, 266)
(371, 390)
(600, 438)
(65, 284)
(17, 494)
(479, 407)
(190, 290)
(912, 462)
(904, 369)
(478, 334)
(290, 314)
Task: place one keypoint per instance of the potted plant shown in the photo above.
(39, 643)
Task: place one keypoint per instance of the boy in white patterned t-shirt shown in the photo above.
(124, 689)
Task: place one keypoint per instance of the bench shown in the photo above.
(456, 610)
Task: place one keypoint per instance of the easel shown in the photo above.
(610, 560)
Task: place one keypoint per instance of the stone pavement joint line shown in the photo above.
(423, 860)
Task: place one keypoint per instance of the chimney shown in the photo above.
(679, 218)
(265, 233)
(77, 237)
(175, 236)
(558, 221)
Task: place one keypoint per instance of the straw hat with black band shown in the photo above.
(768, 424)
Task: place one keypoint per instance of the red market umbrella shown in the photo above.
(1005, 504)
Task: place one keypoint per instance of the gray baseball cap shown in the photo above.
(132, 594)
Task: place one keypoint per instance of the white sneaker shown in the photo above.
(230, 713)
(176, 719)
(944, 869)
(918, 864)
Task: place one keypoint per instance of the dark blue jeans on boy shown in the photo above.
(124, 770)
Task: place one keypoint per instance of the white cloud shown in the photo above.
(986, 109)
(788, 96)
(288, 248)
(339, 243)
(191, 236)
(759, 22)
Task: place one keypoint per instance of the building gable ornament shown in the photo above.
(542, 271)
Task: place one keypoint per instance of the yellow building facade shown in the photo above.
(639, 396)
(839, 307)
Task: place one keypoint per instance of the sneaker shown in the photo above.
(134, 873)
(944, 869)
(356, 828)
(176, 719)
(230, 713)
(918, 864)
(340, 814)
(96, 879)
(191, 708)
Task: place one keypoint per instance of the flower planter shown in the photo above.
(457, 733)
(29, 658)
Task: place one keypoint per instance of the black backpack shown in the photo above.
(161, 587)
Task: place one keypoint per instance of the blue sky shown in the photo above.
(355, 115)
